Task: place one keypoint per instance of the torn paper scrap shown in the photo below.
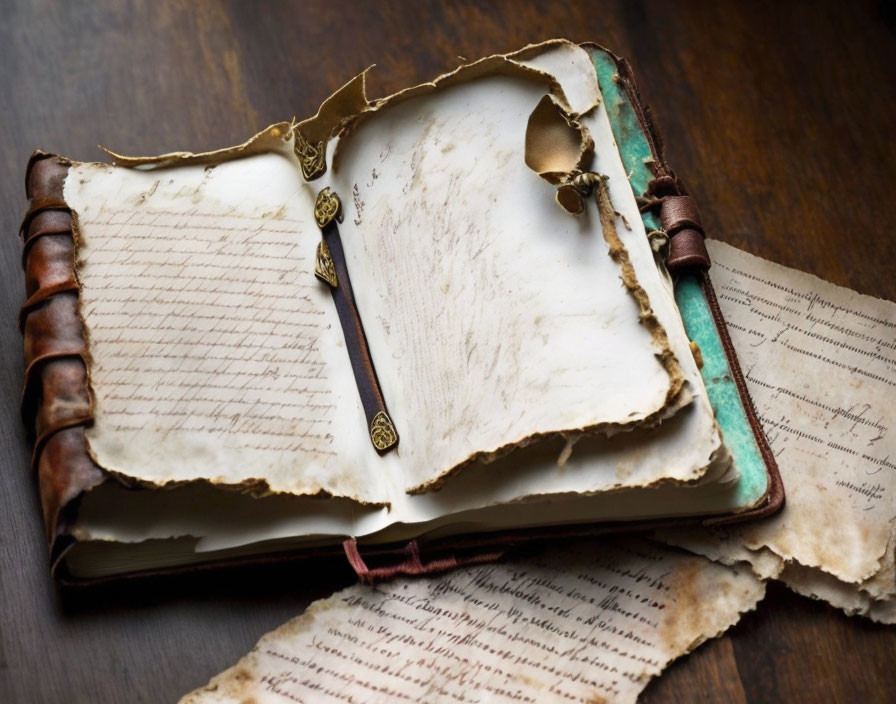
(591, 623)
(852, 599)
(819, 362)
(720, 545)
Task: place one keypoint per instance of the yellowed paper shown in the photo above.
(214, 352)
(820, 363)
(852, 599)
(593, 623)
(498, 312)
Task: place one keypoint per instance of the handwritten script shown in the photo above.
(820, 363)
(222, 322)
(214, 352)
(592, 623)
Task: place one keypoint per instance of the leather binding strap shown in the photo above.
(330, 268)
(407, 561)
(55, 403)
(681, 221)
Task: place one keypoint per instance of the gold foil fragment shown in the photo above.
(312, 158)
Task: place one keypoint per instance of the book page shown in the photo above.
(495, 316)
(591, 623)
(820, 364)
(214, 352)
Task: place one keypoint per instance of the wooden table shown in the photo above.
(780, 119)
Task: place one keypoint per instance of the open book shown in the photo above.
(435, 323)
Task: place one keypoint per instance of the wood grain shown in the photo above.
(779, 117)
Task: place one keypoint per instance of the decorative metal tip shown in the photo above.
(326, 208)
(324, 269)
(382, 432)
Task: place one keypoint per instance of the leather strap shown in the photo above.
(41, 295)
(407, 561)
(681, 221)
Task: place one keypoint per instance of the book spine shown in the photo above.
(56, 404)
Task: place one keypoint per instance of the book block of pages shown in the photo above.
(418, 330)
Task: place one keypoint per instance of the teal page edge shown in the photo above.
(698, 322)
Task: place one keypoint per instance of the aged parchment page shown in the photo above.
(593, 623)
(225, 366)
(820, 363)
(214, 352)
(499, 313)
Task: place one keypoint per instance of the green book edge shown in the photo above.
(738, 435)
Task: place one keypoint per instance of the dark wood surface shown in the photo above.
(779, 116)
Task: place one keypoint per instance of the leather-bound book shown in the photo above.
(416, 331)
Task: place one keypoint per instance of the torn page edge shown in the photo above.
(515, 64)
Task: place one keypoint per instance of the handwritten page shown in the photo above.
(820, 364)
(214, 351)
(592, 623)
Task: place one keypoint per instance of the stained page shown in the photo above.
(591, 623)
(820, 364)
(850, 598)
(502, 317)
(263, 401)
(214, 352)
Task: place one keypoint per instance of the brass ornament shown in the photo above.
(575, 188)
(326, 208)
(382, 432)
(324, 269)
(312, 158)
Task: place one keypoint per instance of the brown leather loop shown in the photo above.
(32, 375)
(44, 206)
(679, 213)
(35, 157)
(53, 328)
(43, 438)
(64, 448)
(41, 236)
(41, 378)
(41, 295)
(45, 176)
(663, 187)
(49, 222)
(687, 250)
(50, 261)
(62, 395)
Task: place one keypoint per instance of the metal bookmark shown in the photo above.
(330, 268)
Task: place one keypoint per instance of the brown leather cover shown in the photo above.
(56, 403)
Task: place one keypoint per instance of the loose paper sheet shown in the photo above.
(820, 363)
(592, 623)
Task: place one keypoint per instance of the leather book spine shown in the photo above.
(56, 404)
